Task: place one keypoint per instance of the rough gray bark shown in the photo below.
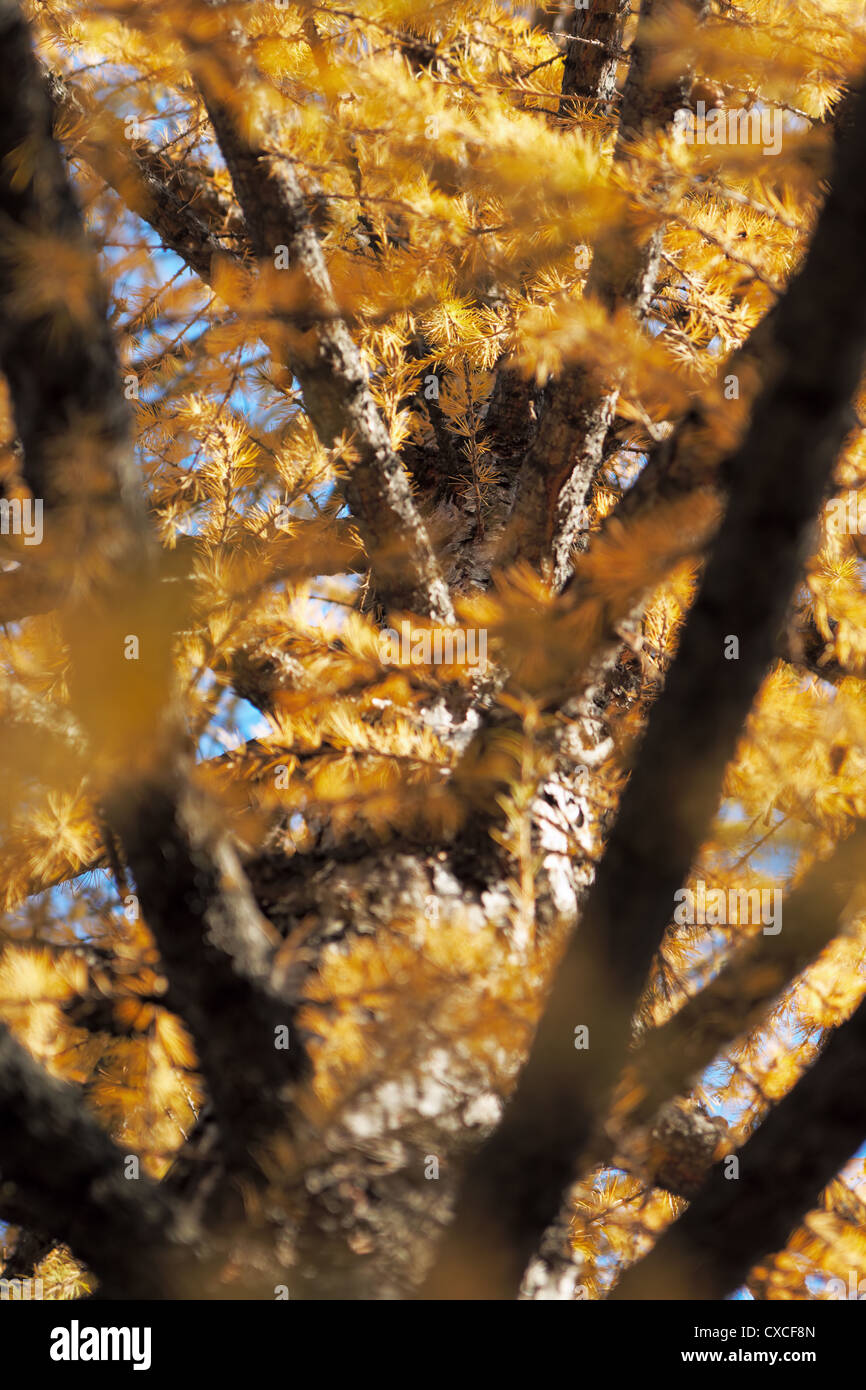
(370, 1219)
(593, 48)
(556, 478)
(328, 366)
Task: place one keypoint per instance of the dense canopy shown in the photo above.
(432, 648)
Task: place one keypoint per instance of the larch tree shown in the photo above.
(432, 646)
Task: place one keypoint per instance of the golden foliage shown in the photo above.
(456, 206)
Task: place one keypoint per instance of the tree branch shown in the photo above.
(800, 1147)
(78, 456)
(555, 480)
(593, 53)
(329, 368)
(62, 1174)
(776, 480)
(180, 204)
(737, 999)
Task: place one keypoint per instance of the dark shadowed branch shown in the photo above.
(78, 457)
(800, 1147)
(737, 999)
(776, 480)
(60, 1172)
